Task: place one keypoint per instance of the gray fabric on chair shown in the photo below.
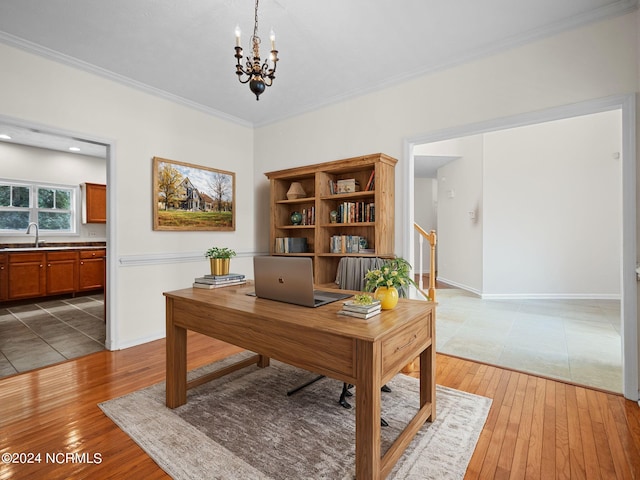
(351, 271)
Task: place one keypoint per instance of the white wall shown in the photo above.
(552, 208)
(143, 262)
(33, 164)
(460, 237)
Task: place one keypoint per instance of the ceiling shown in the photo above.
(329, 50)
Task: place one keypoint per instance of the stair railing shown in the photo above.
(432, 238)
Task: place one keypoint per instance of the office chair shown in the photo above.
(346, 393)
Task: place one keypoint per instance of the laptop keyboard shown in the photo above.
(321, 295)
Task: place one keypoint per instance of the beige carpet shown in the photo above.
(244, 426)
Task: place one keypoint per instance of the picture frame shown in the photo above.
(192, 197)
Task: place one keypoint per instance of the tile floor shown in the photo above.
(574, 340)
(36, 335)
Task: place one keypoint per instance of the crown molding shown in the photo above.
(45, 52)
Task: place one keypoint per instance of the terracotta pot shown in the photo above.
(388, 297)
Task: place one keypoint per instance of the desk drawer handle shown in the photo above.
(401, 347)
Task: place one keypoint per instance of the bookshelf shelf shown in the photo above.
(298, 200)
(295, 227)
(353, 224)
(374, 178)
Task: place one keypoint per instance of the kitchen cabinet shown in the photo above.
(94, 203)
(3, 277)
(92, 270)
(26, 275)
(62, 272)
(33, 274)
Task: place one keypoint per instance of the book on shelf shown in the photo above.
(221, 285)
(371, 183)
(348, 313)
(345, 244)
(291, 245)
(308, 216)
(355, 212)
(219, 281)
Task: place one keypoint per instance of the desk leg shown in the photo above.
(369, 366)
(176, 361)
(428, 380)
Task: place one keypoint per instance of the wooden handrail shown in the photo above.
(432, 238)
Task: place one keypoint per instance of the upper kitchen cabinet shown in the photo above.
(94, 203)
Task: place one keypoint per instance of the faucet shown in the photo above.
(33, 224)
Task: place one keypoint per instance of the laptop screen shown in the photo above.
(290, 280)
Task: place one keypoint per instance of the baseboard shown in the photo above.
(549, 296)
(461, 286)
(134, 343)
(532, 296)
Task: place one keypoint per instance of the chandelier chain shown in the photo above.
(255, 39)
(255, 24)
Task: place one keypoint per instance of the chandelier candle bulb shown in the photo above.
(238, 32)
(272, 36)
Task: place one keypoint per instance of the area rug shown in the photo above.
(244, 426)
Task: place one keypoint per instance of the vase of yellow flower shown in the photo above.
(388, 297)
(385, 281)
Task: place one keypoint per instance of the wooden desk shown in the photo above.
(366, 353)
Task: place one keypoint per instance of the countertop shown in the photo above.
(49, 246)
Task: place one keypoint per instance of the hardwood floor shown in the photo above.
(536, 428)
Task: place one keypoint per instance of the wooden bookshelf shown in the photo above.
(320, 182)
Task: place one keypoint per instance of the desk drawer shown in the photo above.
(405, 345)
(295, 344)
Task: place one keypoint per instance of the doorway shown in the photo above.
(81, 314)
(626, 256)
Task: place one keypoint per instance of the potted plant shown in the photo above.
(384, 282)
(220, 258)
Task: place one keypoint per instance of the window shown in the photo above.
(52, 207)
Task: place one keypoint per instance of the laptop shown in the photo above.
(290, 280)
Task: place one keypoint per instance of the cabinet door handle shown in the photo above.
(81, 263)
(41, 266)
(48, 265)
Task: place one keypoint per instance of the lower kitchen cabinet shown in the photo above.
(33, 274)
(3, 277)
(26, 276)
(62, 272)
(91, 270)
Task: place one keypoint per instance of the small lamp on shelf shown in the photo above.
(296, 191)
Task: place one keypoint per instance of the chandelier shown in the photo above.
(260, 76)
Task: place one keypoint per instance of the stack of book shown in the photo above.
(353, 309)
(291, 245)
(217, 281)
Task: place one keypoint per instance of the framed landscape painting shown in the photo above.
(192, 197)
